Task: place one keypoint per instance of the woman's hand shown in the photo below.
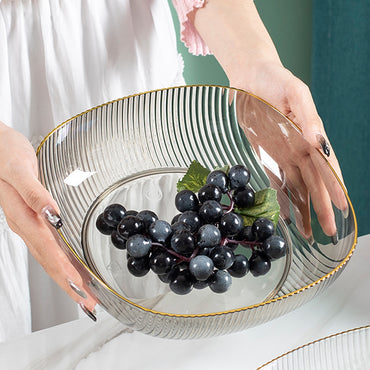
(24, 201)
(295, 168)
(238, 39)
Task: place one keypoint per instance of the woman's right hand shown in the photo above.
(238, 39)
(24, 201)
(298, 170)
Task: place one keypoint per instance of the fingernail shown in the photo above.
(334, 238)
(76, 289)
(88, 312)
(324, 144)
(52, 217)
(346, 213)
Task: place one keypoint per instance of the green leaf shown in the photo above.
(224, 169)
(265, 205)
(194, 178)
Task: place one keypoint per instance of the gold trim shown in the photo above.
(330, 274)
(313, 342)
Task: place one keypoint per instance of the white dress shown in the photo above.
(57, 59)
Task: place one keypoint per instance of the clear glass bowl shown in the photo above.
(133, 151)
(348, 350)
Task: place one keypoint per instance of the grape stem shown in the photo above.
(224, 241)
(178, 255)
(243, 243)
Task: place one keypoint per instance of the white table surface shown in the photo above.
(107, 344)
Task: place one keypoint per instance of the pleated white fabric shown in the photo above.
(57, 59)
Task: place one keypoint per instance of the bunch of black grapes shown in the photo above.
(197, 250)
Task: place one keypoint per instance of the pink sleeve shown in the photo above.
(189, 35)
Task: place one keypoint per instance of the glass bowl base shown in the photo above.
(155, 190)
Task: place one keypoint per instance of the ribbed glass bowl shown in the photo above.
(133, 151)
(348, 350)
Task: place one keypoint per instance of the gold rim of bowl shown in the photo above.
(314, 342)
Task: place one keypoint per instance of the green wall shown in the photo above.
(289, 23)
(341, 89)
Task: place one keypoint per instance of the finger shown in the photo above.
(27, 185)
(41, 243)
(320, 197)
(323, 141)
(304, 110)
(300, 200)
(331, 181)
(57, 265)
(20, 170)
(305, 114)
(292, 193)
(278, 183)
